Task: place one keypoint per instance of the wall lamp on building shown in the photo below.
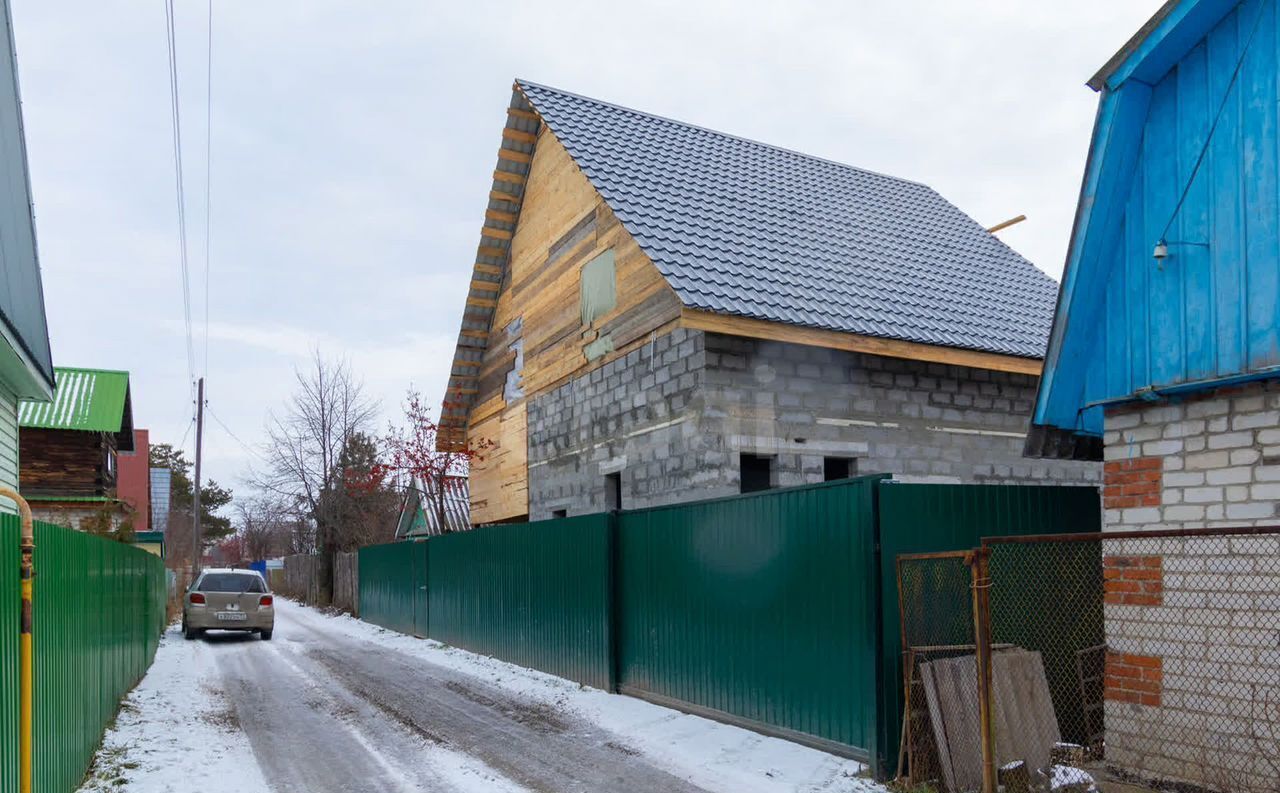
(1161, 251)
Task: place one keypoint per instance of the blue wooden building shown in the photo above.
(1172, 282)
(1164, 361)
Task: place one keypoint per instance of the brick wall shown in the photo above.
(1133, 580)
(1135, 679)
(673, 417)
(1220, 454)
(1193, 624)
(1134, 482)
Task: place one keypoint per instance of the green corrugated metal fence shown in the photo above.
(777, 609)
(757, 607)
(387, 585)
(534, 594)
(99, 613)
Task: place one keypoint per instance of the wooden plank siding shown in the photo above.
(564, 223)
(67, 463)
(8, 445)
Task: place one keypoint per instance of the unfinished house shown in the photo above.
(660, 313)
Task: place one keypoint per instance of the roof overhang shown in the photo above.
(1160, 43)
(19, 371)
(86, 400)
(490, 268)
(1063, 424)
(851, 342)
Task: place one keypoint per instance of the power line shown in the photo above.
(234, 437)
(176, 118)
(1204, 148)
(186, 434)
(208, 183)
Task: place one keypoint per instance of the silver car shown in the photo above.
(228, 600)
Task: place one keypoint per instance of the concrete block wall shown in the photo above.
(1204, 612)
(636, 416)
(921, 422)
(673, 416)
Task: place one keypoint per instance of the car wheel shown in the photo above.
(266, 635)
(189, 633)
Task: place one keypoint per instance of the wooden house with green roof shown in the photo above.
(68, 446)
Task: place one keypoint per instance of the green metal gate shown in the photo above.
(776, 609)
(760, 608)
(418, 554)
(99, 612)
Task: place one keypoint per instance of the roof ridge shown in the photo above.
(521, 83)
(90, 369)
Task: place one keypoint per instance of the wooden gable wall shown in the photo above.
(67, 463)
(564, 223)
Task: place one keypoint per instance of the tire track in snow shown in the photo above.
(311, 735)
(529, 742)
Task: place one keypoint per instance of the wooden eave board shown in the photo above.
(515, 153)
(734, 325)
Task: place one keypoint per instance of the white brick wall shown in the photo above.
(1217, 631)
(1221, 459)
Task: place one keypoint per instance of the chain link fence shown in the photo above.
(1151, 658)
(935, 596)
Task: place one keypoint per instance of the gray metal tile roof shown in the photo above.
(740, 227)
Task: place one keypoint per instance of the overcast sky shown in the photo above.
(353, 142)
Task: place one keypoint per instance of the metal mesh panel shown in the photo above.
(935, 596)
(1161, 652)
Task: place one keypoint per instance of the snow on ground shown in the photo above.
(709, 754)
(174, 727)
(178, 732)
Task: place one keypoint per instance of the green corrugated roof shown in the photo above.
(94, 400)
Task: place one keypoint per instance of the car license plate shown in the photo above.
(233, 616)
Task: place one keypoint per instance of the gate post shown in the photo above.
(979, 564)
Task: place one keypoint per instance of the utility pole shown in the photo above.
(196, 512)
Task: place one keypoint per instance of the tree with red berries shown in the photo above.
(412, 454)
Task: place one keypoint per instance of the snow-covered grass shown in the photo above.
(176, 731)
(709, 754)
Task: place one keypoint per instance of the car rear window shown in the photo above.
(231, 582)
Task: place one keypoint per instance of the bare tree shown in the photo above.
(304, 446)
(265, 524)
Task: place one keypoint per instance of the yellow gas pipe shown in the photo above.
(27, 546)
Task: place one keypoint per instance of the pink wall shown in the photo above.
(133, 479)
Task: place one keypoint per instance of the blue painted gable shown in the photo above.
(1185, 151)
